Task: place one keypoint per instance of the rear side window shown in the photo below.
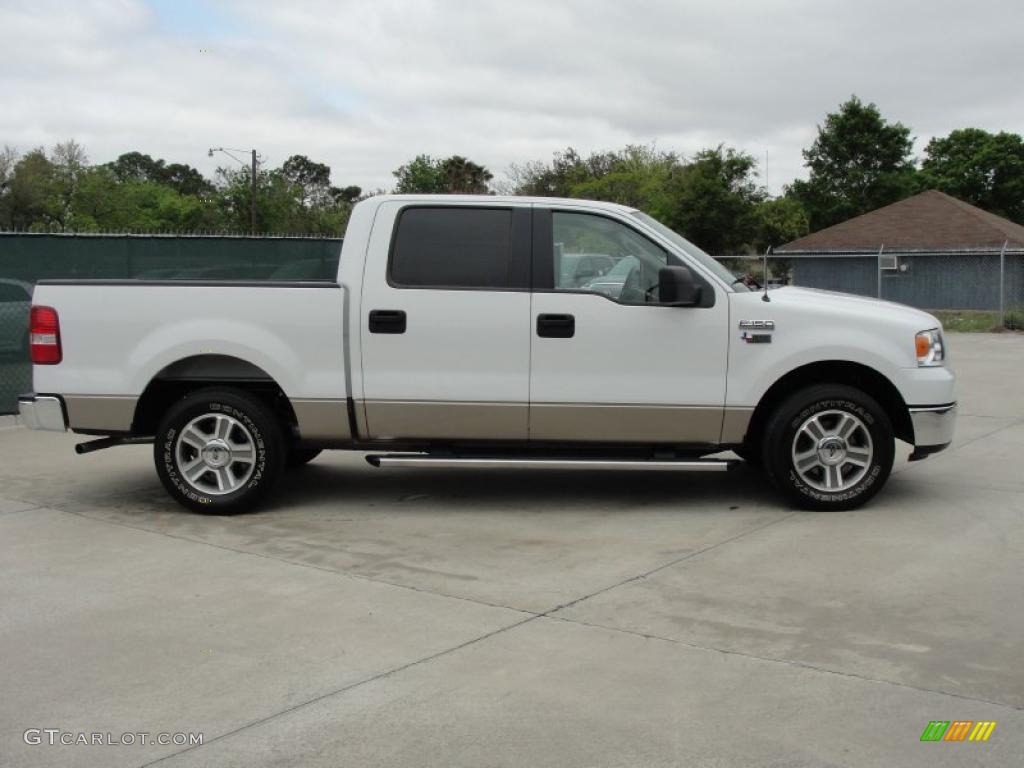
(452, 248)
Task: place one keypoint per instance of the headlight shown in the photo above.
(929, 348)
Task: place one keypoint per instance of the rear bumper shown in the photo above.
(934, 426)
(43, 412)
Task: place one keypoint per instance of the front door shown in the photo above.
(444, 315)
(607, 363)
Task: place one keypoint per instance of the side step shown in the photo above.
(426, 460)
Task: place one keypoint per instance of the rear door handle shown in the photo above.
(387, 321)
(556, 326)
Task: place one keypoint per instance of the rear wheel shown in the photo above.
(829, 447)
(219, 451)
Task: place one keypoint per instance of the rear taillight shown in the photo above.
(44, 336)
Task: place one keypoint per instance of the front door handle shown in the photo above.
(556, 326)
(387, 321)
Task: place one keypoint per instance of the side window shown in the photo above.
(452, 248)
(600, 255)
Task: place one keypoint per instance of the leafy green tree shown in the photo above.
(453, 175)
(184, 179)
(714, 199)
(103, 203)
(33, 194)
(858, 162)
(421, 175)
(779, 221)
(710, 199)
(637, 176)
(464, 177)
(982, 168)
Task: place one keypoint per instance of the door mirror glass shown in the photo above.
(677, 288)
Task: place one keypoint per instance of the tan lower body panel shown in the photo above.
(571, 422)
(101, 413)
(612, 423)
(322, 419)
(432, 420)
(734, 424)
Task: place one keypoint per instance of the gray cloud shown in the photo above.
(365, 86)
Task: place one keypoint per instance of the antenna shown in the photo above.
(767, 253)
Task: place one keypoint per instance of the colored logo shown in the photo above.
(958, 730)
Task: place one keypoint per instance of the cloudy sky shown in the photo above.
(364, 86)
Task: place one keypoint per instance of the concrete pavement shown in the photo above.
(485, 618)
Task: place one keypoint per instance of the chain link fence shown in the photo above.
(968, 289)
(28, 258)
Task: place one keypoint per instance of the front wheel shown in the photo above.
(219, 451)
(829, 447)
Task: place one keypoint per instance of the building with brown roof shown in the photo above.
(930, 250)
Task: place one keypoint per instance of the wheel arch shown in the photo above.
(847, 372)
(184, 376)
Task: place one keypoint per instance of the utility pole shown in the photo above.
(252, 180)
(252, 197)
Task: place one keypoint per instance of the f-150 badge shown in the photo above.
(747, 326)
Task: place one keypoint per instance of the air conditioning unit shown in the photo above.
(888, 263)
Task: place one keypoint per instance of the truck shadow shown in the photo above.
(525, 489)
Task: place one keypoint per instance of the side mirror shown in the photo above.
(677, 288)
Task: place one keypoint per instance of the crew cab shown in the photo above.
(453, 336)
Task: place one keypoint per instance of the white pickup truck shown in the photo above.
(454, 336)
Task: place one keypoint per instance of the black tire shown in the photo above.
(871, 443)
(300, 457)
(252, 427)
(750, 455)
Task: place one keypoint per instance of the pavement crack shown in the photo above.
(676, 561)
(298, 563)
(787, 662)
(346, 688)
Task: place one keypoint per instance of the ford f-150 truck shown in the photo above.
(454, 336)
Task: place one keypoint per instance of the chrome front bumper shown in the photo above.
(934, 425)
(42, 412)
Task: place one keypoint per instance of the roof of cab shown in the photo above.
(501, 199)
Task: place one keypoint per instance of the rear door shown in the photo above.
(608, 363)
(445, 322)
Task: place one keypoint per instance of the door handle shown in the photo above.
(556, 326)
(387, 321)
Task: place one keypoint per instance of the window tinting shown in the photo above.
(452, 248)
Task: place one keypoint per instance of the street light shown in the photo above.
(252, 197)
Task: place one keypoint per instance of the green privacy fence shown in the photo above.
(27, 258)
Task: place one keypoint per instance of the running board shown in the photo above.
(423, 460)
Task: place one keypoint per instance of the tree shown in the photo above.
(858, 162)
(453, 175)
(69, 161)
(32, 199)
(637, 176)
(982, 168)
(311, 180)
(464, 177)
(779, 221)
(714, 198)
(710, 198)
(421, 175)
(184, 179)
(8, 159)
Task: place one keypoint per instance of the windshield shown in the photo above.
(689, 248)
